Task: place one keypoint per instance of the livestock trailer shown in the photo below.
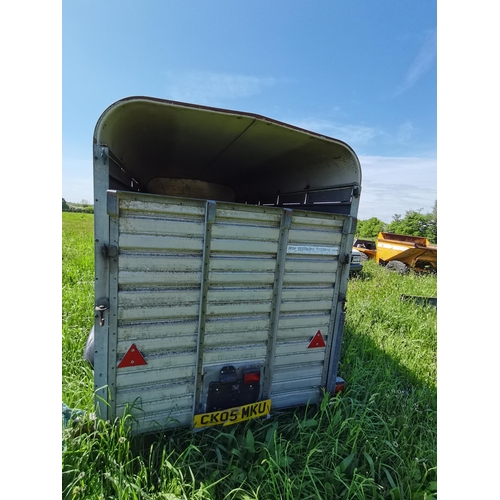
(222, 254)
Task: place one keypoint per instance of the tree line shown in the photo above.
(414, 223)
(82, 207)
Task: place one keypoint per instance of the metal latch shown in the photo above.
(109, 251)
(100, 308)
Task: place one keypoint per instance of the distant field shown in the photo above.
(376, 441)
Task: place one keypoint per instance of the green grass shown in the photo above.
(77, 304)
(376, 441)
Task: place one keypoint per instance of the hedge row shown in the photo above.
(83, 209)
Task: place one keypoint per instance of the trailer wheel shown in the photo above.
(88, 352)
(396, 265)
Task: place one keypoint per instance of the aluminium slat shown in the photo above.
(173, 342)
(158, 329)
(142, 278)
(163, 206)
(314, 237)
(236, 325)
(150, 242)
(151, 313)
(309, 278)
(155, 392)
(167, 361)
(235, 263)
(307, 293)
(295, 384)
(238, 338)
(293, 399)
(296, 347)
(310, 321)
(244, 232)
(304, 334)
(324, 226)
(234, 294)
(158, 421)
(313, 355)
(229, 355)
(238, 308)
(151, 263)
(311, 265)
(158, 298)
(180, 402)
(236, 212)
(306, 306)
(242, 279)
(143, 225)
(159, 375)
(298, 371)
(317, 219)
(244, 246)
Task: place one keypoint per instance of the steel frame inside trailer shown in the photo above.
(278, 174)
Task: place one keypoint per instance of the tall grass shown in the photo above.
(77, 304)
(377, 440)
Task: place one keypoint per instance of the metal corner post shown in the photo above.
(338, 307)
(101, 279)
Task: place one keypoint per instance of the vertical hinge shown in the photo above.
(343, 301)
(211, 210)
(286, 222)
(100, 151)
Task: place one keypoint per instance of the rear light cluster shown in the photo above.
(339, 385)
(251, 378)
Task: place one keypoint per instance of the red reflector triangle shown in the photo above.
(132, 358)
(317, 341)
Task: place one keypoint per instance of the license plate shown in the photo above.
(233, 415)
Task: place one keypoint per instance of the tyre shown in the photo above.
(88, 352)
(363, 257)
(396, 265)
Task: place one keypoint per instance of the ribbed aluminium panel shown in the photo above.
(306, 307)
(242, 270)
(158, 304)
(201, 289)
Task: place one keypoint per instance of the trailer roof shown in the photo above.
(155, 138)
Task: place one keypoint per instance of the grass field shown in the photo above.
(376, 441)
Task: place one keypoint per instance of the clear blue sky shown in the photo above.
(360, 71)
